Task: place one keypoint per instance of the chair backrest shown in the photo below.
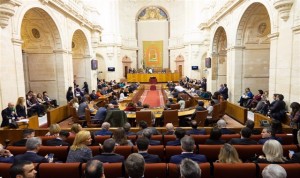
(167, 138)
(116, 118)
(46, 138)
(74, 114)
(60, 152)
(223, 105)
(200, 139)
(53, 170)
(228, 137)
(172, 150)
(89, 119)
(201, 117)
(158, 170)
(16, 150)
(155, 150)
(246, 152)
(215, 113)
(171, 116)
(96, 150)
(292, 170)
(4, 170)
(101, 138)
(145, 116)
(210, 151)
(123, 150)
(113, 170)
(286, 149)
(225, 170)
(70, 140)
(175, 106)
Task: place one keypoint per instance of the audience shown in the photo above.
(228, 154)
(143, 125)
(295, 119)
(169, 129)
(222, 126)
(104, 130)
(54, 130)
(60, 139)
(245, 97)
(135, 165)
(189, 169)
(273, 152)
(101, 112)
(108, 155)
(94, 169)
(75, 129)
(195, 130)
(142, 146)
(179, 133)
(147, 133)
(24, 169)
(8, 114)
(27, 133)
(277, 110)
(267, 134)
(127, 127)
(245, 138)
(274, 171)
(215, 137)
(250, 124)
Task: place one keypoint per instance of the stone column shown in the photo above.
(295, 79)
(273, 63)
(17, 48)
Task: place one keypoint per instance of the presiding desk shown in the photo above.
(161, 77)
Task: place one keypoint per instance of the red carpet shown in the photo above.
(153, 98)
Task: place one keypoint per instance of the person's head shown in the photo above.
(120, 135)
(247, 89)
(45, 93)
(266, 132)
(76, 128)
(21, 101)
(147, 133)
(274, 171)
(189, 169)
(105, 126)
(39, 95)
(273, 151)
(69, 89)
(280, 97)
(127, 127)
(28, 133)
(110, 106)
(171, 100)
(94, 169)
(228, 154)
(225, 85)
(143, 124)
(215, 133)
(11, 106)
(109, 145)
(82, 139)
(201, 103)
(135, 165)
(221, 123)
(249, 124)
(275, 96)
(187, 144)
(24, 169)
(54, 129)
(146, 106)
(212, 102)
(130, 104)
(295, 106)
(142, 143)
(33, 144)
(246, 132)
(64, 134)
(179, 133)
(194, 124)
(169, 127)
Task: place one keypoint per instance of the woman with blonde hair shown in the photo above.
(120, 137)
(54, 130)
(21, 108)
(75, 129)
(79, 151)
(273, 153)
(228, 154)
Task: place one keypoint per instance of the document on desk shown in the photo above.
(23, 120)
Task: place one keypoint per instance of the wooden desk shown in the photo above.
(161, 77)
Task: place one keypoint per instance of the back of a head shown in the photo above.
(250, 124)
(105, 125)
(194, 124)
(169, 127)
(189, 169)
(108, 145)
(179, 133)
(135, 165)
(273, 151)
(33, 143)
(126, 127)
(215, 133)
(94, 169)
(201, 103)
(143, 124)
(27, 133)
(246, 132)
(221, 123)
(64, 133)
(228, 154)
(142, 143)
(18, 168)
(187, 143)
(147, 133)
(274, 171)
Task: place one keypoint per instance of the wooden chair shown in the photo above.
(89, 121)
(155, 170)
(201, 117)
(171, 116)
(225, 170)
(60, 152)
(215, 113)
(75, 117)
(4, 170)
(175, 106)
(53, 170)
(223, 105)
(145, 116)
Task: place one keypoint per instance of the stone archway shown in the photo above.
(219, 58)
(81, 59)
(41, 54)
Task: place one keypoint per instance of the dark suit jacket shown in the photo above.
(57, 142)
(227, 131)
(242, 141)
(174, 143)
(30, 156)
(169, 133)
(6, 159)
(103, 132)
(20, 142)
(154, 142)
(263, 140)
(149, 158)
(196, 132)
(214, 142)
(296, 157)
(195, 157)
(6, 115)
(109, 158)
(130, 133)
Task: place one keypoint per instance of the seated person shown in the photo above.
(228, 154)
(8, 114)
(120, 137)
(147, 133)
(27, 133)
(81, 109)
(102, 112)
(215, 137)
(273, 152)
(189, 168)
(94, 169)
(130, 107)
(169, 129)
(143, 125)
(245, 138)
(168, 105)
(114, 100)
(187, 147)
(253, 102)
(127, 127)
(266, 134)
(47, 99)
(24, 169)
(222, 126)
(142, 146)
(181, 102)
(250, 125)
(195, 130)
(32, 146)
(5, 155)
(204, 94)
(60, 140)
(104, 130)
(200, 107)
(245, 97)
(179, 133)
(135, 165)
(108, 155)
(93, 95)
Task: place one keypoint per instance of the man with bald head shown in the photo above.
(7, 114)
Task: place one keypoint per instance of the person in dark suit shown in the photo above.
(224, 91)
(143, 125)
(187, 147)
(222, 126)
(200, 107)
(104, 129)
(215, 137)
(147, 133)
(267, 134)
(278, 111)
(32, 146)
(170, 129)
(245, 138)
(7, 114)
(70, 94)
(189, 168)
(94, 169)
(179, 133)
(142, 146)
(127, 127)
(195, 130)
(108, 155)
(60, 140)
(250, 125)
(27, 133)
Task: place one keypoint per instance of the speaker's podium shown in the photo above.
(153, 81)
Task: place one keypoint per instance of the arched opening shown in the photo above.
(252, 35)
(219, 57)
(42, 66)
(153, 35)
(81, 59)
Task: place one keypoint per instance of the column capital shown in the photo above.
(284, 8)
(7, 10)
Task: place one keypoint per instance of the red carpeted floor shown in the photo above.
(153, 98)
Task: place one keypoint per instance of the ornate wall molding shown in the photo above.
(273, 36)
(284, 8)
(7, 10)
